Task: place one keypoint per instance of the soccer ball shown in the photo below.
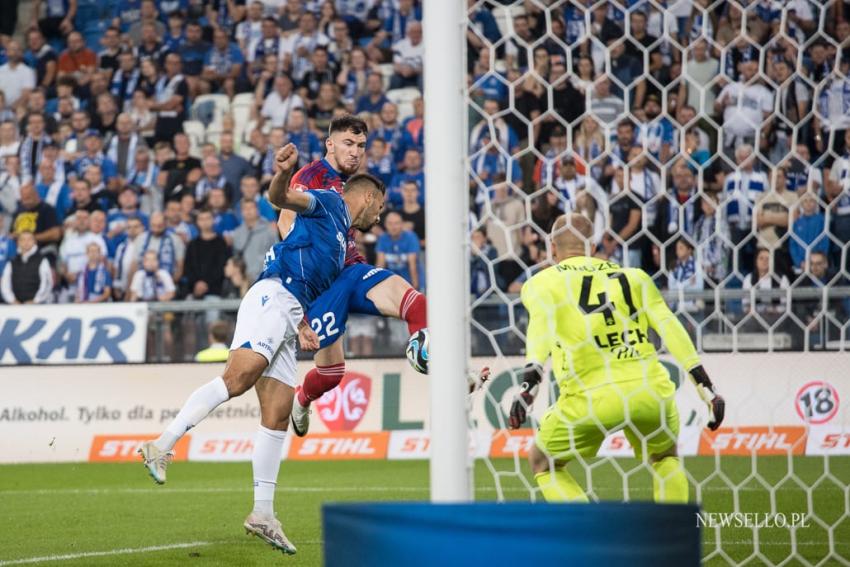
(417, 351)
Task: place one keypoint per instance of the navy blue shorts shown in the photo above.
(329, 313)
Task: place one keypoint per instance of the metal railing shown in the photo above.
(809, 319)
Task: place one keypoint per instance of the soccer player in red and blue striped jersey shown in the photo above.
(361, 288)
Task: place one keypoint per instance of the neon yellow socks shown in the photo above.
(669, 483)
(559, 486)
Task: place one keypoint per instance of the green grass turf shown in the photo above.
(75, 508)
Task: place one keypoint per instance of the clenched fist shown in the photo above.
(286, 158)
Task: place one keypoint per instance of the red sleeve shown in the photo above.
(297, 183)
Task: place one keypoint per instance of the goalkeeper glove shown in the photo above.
(525, 398)
(715, 402)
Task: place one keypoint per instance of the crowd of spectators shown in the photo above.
(699, 139)
(105, 195)
(709, 143)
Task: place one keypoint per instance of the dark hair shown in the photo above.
(218, 331)
(66, 81)
(348, 123)
(238, 263)
(626, 122)
(205, 210)
(687, 242)
(360, 178)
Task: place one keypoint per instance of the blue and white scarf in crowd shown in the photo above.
(30, 152)
(124, 93)
(166, 254)
(91, 282)
(150, 286)
(112, 153)
(165, 89)
(712, 251)
(687, 210)
(743, 189)
(120, 255)
(146, 178)
(203, 187)
(683, 271)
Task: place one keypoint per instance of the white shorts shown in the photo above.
(267, 323)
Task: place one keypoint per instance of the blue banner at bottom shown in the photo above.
(606, 534)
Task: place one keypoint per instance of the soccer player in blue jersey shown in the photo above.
(262, 355)
(361, 288)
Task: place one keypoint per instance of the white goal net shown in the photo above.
(708, 142)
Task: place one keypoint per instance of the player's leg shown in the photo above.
(653, 431)
(275, 391)
(565, 431)
(275, 405)
(262, 325)
(275, 398)
(555, 482)
(327, 317)
(362, 289)
(242, 370)
(324, 377)
(669, 482)
(394, 297)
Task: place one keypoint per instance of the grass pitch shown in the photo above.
(112, 514)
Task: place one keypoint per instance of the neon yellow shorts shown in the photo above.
(578, 424)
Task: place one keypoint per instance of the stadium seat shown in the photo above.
(213, 134)
(196, 131)
(243, 138)
(210, 108)
(403, 98)
(241, 109)
(386, 72)
(243, 99)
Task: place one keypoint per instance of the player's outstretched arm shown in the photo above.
(537, 350)
(279, 195)
(674, 335)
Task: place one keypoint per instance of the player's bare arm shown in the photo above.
(286, 158)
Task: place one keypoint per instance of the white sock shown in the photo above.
(197, 407)
(268, 450)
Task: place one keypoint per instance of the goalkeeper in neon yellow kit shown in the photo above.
(593, 318)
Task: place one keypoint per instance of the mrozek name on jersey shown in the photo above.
(41, 414)
(588, 268)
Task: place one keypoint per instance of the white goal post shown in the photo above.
(446, 214)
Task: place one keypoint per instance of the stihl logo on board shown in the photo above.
(509, 443)
(343, 407)
(750, 440)
(329, 446)
(117, 448)
(227, 446)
